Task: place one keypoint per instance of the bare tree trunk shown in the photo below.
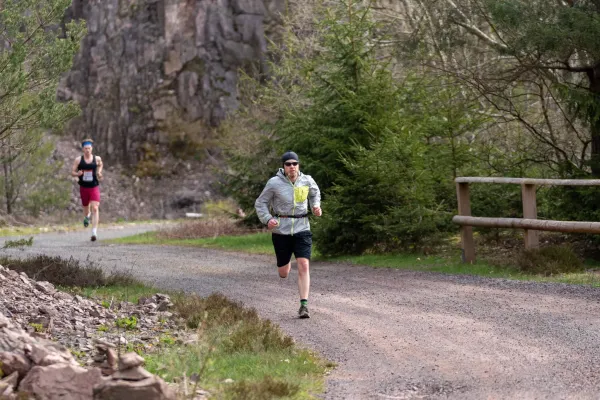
(594, 119)
(7, 191)
(595, 154)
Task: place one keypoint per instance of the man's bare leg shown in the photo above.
(303, 278)
(303, 286)
(285, 270)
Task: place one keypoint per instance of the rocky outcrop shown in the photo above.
(146, 62)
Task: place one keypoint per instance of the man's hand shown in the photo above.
(317, 211)
(79, 173)
(272, 223)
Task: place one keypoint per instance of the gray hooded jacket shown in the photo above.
(287, 198)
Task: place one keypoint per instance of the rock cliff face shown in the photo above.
(144, 62)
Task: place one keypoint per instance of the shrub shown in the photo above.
(20, 243)
(386, 202)
(268, 388)
(212, 309)
(66, 272)
(257, 336)
(127, 323)
(217, 310)
(549, 261)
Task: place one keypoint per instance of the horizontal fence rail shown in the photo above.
(530, 181)
(529, 222)
(534, 224)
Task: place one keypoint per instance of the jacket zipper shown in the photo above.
(294, 203)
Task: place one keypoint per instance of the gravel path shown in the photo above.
(394, 334)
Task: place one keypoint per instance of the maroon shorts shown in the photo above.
(89, 194)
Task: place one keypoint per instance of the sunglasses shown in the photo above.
(289, 164)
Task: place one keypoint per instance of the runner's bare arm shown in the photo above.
(100, 165)
(74, 171)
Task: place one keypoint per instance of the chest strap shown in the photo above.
(292, 216)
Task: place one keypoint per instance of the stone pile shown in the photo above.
(38, 368)
(132, 382)
(106, 357)
(33, 366)
(76, 322)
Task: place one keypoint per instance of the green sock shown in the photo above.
(304, 302)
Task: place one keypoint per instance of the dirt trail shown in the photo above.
(394, 334)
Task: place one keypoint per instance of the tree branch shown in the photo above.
(466, 24)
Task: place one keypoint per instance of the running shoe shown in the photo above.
(94, 238)
(303, 312)
(86, 222)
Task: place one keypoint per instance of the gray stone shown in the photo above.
(11, 380)
(111, 358)
(130, 360)
(45, 287)
(132, 374)
(14, 362)
(61, 381)
(103, 342)
(164, 305)
(148, 389)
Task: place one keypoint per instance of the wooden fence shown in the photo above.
(529, 222)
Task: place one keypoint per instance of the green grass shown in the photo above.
(130, 293)
(298, 370)
(74, 226)
(260, 243)
(31, 230)
(415, 262)
(453, 266)
(257, 243)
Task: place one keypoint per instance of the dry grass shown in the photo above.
(250, 334)
(549, 261)
(268, 388)
(204, 228)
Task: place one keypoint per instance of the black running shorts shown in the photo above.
(300, 245)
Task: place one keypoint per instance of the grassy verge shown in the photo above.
(257, 243)
(234, 353)
(34, 230)
(119, 292)
(453, 265)
(260, 243)
(75, 226)
(239, 355)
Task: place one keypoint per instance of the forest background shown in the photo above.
(386, 103)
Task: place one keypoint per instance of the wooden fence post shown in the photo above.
(532, 240)
(466, 232)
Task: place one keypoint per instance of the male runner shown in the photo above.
(288, 194)
(89, 170)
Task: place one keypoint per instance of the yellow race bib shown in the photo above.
(300, 194)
